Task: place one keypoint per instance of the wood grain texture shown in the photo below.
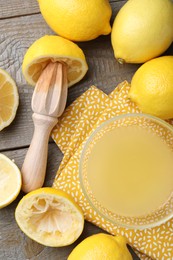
(12, 8)
(17, 34)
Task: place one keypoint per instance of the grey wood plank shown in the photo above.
(16, 36)
(14, 245)
(12, 8)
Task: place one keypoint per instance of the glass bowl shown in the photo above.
(159, 128)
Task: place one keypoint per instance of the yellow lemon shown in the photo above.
(9, 99)
(50, 217)
(54, 48)
(152, 87)
(77, 20)
(142, 30)
(101, 247)
(10, 181)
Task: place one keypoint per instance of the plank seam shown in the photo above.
(19, 148)
(18, 16)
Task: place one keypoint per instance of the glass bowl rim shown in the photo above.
(84, 148)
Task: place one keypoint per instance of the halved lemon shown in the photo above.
(9, 99)
(50, 217)
(56, 49)
(10, 181)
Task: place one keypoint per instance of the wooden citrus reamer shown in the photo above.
(48, 103)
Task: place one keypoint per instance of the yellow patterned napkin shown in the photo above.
(78, 121)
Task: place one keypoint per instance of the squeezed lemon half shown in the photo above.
(56, 49)
(10, 181)
(9, 99)
(50, 217)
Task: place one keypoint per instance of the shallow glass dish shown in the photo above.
(159, 128)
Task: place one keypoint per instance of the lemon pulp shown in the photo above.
(10, 181)
(130, 171)
(9, 99)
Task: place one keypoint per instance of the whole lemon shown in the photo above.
(77, 20)
(101, 247)
(142, 30)
(152, 87)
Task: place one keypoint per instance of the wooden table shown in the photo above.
(20, 25)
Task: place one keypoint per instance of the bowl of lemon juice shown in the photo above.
(126, 171)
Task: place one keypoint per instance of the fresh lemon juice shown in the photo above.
(130, 171)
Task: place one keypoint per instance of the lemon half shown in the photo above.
(50, 217)
(10, 181)
(56, 49)
(9, 99)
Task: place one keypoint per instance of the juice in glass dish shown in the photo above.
(128, 168)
